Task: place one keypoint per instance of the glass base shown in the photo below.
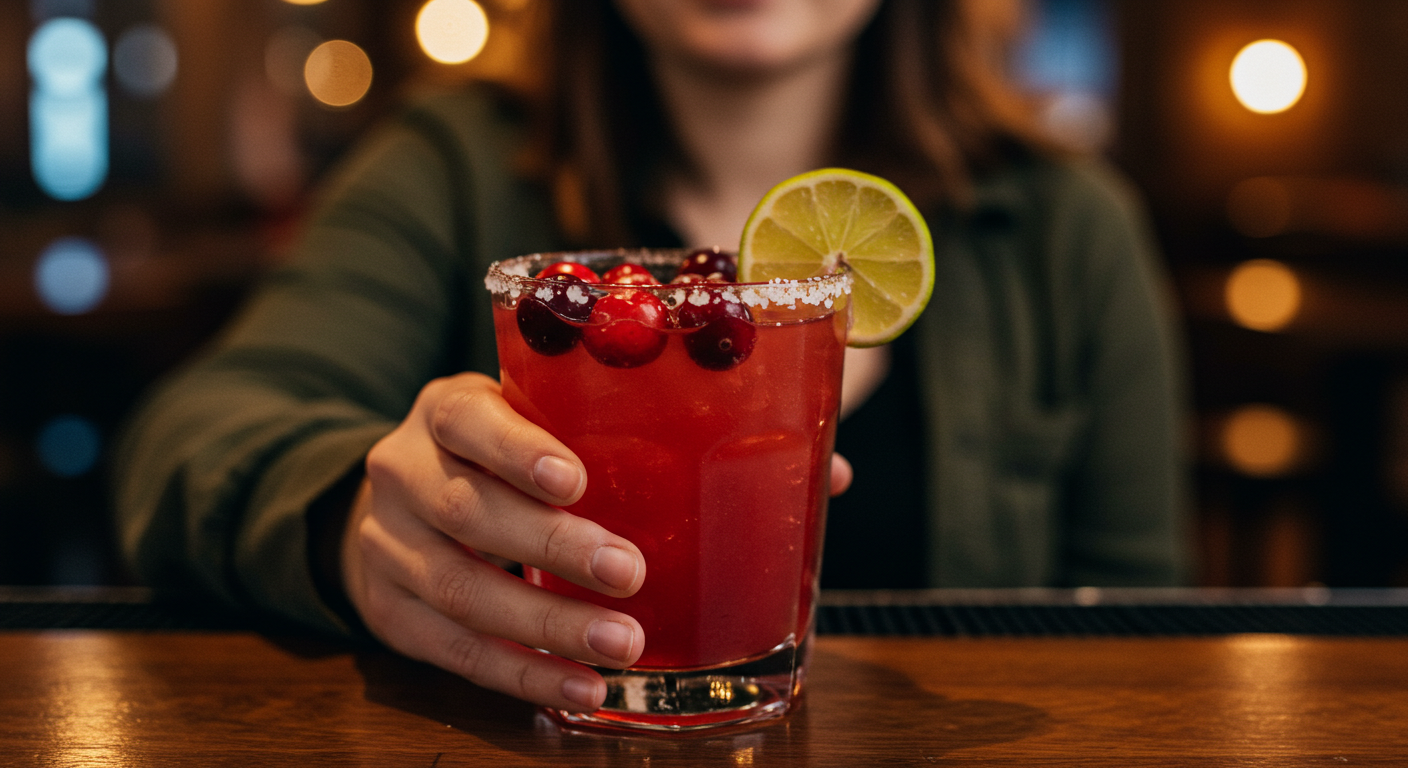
(682, 700)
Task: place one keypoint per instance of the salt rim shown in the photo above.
(512, 277)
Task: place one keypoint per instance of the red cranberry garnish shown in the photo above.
(545, 332)
(626, 329)
(581, 271)
(571, 297)
(629, 274)
(725, 334)
(541, 314)
(710, 262)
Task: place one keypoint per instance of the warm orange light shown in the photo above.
(303, 2)
(1263, 295)
(452, 31)
(1262, 441)
(338, 73)
(1268, 76)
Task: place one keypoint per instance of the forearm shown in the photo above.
(214, 482)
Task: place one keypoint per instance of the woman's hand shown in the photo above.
(466, 471)
(841, 474)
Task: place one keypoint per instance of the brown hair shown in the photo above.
(928, 108)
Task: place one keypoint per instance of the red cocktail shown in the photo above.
(705, 413)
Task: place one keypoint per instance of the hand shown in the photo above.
(464, 470)
(841, 474)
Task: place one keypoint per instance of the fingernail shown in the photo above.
(615, 567)
(611, 639)
(559, 477)
(583, 692)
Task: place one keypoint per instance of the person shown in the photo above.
(342, 455)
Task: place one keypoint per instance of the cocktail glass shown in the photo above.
(708, 446)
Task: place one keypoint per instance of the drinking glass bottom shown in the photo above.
(679, 700)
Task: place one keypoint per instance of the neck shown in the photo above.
(743, 135)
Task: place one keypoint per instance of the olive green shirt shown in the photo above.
(1048, 366)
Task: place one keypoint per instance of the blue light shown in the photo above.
(69, 445)
(67, 57)
(68, 108)
(71, 276)
(1071, 48)
(1069, 59)
(145, 60)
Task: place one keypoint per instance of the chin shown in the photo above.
(733, 6)
(744, 60)
(748, 36)
(756, 46)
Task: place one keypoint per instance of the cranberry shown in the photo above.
(629, 274)
(571, 303)
(627, 329)
(543, 330)
(710, 262)
(569, 268)
(688, 278)
(725, 334)
(541, 314)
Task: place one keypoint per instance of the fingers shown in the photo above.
(841, 474)
(487, 515)
(465, 471)
(471, 419)
(482, 598)
(487, 661)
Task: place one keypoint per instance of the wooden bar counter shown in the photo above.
(91, 697)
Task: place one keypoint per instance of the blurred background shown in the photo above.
(156, 155)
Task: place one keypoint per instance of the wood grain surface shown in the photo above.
(90, 698)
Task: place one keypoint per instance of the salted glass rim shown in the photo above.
(513, 277)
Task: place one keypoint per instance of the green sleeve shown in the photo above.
(1128, 489)
(217, 469)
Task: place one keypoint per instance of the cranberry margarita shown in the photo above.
(705, 412)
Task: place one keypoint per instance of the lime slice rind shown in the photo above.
(808, 225)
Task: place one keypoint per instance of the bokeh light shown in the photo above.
(67, 56)
(1262, 441)
(452, 31)
(303, 2)
(71, 276)
(338, 73)
(69, 446)
(68, 108)
(145, 60)
(1068, 55)
(1263, 295)
(1268, 76)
